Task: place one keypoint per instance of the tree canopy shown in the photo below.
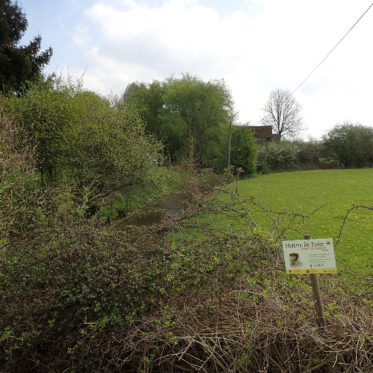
(188, 115)
(18, 64)
(351, 144)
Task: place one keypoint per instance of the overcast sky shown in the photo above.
(254, 45)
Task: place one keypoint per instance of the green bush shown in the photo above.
(308, 153)
(81, 140)
(350, 144)
(21, 201)
(276, 156)
(243, 149)
(44, 113)
(289, 155)
(108, 151)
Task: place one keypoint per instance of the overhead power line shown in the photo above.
(332, 50)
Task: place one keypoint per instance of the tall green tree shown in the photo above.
(188, 115)
(149, 102)
(18, 64)
(204, 110)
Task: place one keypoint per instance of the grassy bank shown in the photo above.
(331, 192)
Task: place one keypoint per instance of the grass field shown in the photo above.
(305, 191)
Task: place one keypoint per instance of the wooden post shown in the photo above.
(319, 308)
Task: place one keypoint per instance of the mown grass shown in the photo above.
(305, 191)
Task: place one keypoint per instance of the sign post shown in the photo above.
(311, 256)
(319, 308)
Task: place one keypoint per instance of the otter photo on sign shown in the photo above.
(294, 260)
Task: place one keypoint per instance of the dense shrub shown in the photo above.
(350, 144)
(276, 156)
(44, 114)
(69, 281)
(108, 151)
(243, 149)
(289, 155)
(79, 138)
(21, 199)
(308, 153)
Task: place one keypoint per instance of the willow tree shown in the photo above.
(190, 116)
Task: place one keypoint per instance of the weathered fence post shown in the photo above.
(319, 308)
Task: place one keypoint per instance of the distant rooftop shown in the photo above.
(262, 131)
(263, 134)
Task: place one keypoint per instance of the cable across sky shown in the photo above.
(333, 49)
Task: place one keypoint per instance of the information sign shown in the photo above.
(309, 256)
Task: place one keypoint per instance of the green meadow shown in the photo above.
(331, 192)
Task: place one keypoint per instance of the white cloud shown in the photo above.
(275, 46)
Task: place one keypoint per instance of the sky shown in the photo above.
(255, 46)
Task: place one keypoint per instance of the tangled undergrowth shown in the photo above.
(87, 299)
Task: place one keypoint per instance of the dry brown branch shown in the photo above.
(246, 207)
(354, 207)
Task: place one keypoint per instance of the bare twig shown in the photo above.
(354, 207)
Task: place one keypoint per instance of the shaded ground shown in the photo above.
(171, 206)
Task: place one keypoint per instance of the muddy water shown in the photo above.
(172, 206)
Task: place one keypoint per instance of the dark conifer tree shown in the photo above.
(18, 64)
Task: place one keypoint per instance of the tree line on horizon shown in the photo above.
(194, 120)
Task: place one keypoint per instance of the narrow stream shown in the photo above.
(173, 206)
